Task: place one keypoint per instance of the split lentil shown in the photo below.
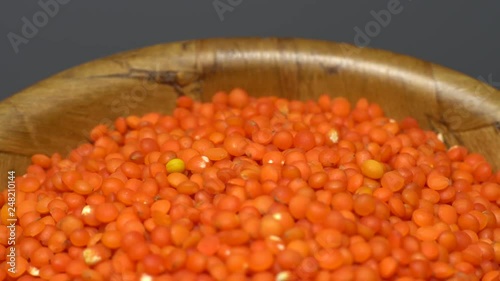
(244, 188)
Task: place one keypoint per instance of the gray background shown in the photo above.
(463, 35)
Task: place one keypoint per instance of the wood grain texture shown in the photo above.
(56, 114)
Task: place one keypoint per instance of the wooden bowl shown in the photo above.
(56, 114)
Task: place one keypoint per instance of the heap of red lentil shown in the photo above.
(261, 189)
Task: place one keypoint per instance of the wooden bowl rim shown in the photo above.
(356, 52)
(371, 61)
(419, 76)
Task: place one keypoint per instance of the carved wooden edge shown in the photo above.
(178, 65)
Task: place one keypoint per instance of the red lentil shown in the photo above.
(246, 188)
